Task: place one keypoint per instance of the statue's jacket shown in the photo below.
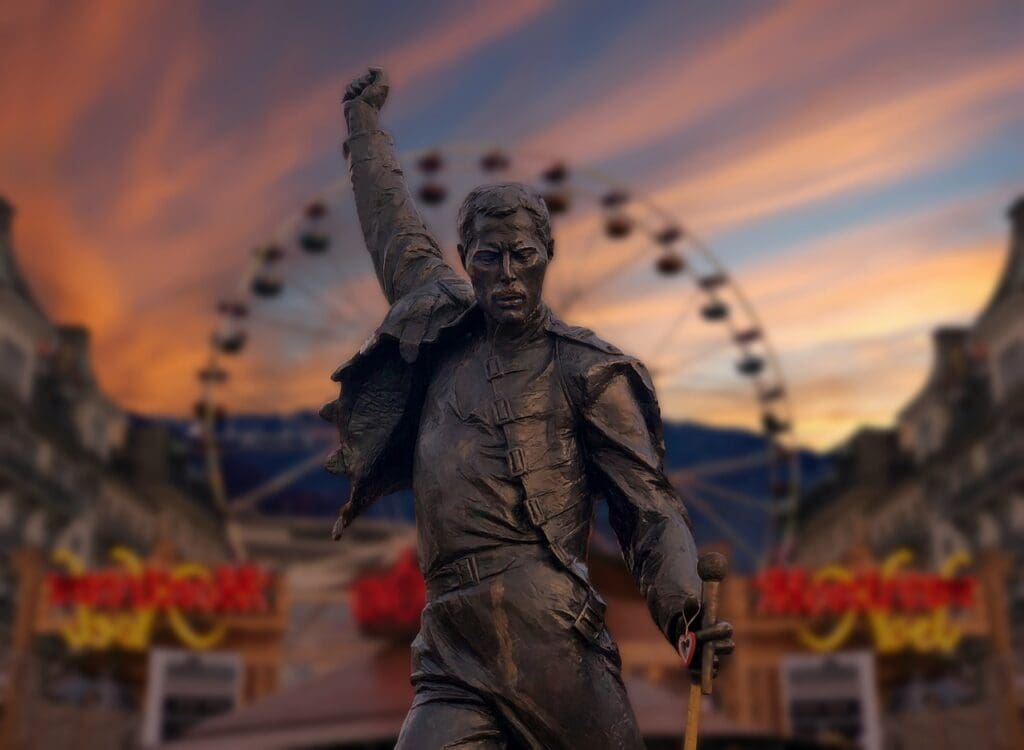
(598, 392)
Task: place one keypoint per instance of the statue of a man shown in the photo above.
(508, 425)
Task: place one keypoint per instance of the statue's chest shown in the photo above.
(477, 400)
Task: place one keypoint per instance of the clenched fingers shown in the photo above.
(720, 631)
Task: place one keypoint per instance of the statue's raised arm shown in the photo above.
(405, 254)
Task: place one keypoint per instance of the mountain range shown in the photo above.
(731, 503)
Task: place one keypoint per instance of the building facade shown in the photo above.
(947, 479)
(80, 476)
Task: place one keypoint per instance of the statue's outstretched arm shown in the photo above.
(622, 434)
(405, 254)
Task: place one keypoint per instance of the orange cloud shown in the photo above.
(812, 157)
(57, 58)
(852, 312)
(140, 249)
(780, 47)
(176, 206)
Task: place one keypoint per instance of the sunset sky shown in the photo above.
(850, 163)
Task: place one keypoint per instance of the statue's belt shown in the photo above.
(471, 569)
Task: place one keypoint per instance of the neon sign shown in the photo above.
(119, 607)
(905, 609)
(390, 602)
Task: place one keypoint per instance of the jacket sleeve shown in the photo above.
(622, 434)
(405, 254)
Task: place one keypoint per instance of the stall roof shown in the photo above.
(366, 700)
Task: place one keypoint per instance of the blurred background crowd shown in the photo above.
(807, 218)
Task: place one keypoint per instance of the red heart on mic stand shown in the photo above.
(687, 647)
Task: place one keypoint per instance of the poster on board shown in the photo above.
(185, 687)
(832, 695)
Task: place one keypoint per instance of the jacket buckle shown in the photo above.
(493, 368)
(516, 462)
(467, 571)
(502, 411)
(534, 511)
(590, 621)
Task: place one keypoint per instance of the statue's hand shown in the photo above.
(690, 646)
(370, 88)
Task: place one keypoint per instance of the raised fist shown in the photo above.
(371, 88)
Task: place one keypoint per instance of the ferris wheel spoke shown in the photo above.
(320, 301)
(351, 309)
(687, 361)
(303, 327)
(289, 476)
(262, 376)
(728, 466)
(706, 509)
(324, 357)
(566, 299)
(254, 403)
(362, 301)
(733, 496)
(339, 292)
(698, 386)
(435, 219)
(578, 291)
(673, 328)
(270, 376)
(345, 295)
(608, 276)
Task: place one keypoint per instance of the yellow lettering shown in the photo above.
(88, 629)
(924, 633)
(182, 628)
(839, 634)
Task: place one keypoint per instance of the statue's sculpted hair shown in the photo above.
(504, 199)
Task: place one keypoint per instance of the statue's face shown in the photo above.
(506, 263)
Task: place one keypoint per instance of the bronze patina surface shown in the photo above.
(508, 425)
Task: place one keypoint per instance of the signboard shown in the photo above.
(389, 602)
(186, 687)
(120, 606)
(830, 696)
(904, 609)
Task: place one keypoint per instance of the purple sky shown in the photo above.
(848, 162)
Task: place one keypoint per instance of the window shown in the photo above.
(13, 361)
(1011, 366)
(988, 532)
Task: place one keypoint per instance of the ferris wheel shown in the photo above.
(624, 266)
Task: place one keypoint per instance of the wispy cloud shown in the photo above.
(148, 152)
(811, 157)
(145, 243)
(852, 312)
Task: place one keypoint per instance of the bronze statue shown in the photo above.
(508, 424)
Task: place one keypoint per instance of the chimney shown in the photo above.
(1011, 280)
(73, 354)
(149, 446)
(10, 274)
(1016, 214)
(950, 365)
(6, 218)
(873, 452)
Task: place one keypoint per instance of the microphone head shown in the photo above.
(712, 566)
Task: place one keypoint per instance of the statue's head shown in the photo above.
(505, 244)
